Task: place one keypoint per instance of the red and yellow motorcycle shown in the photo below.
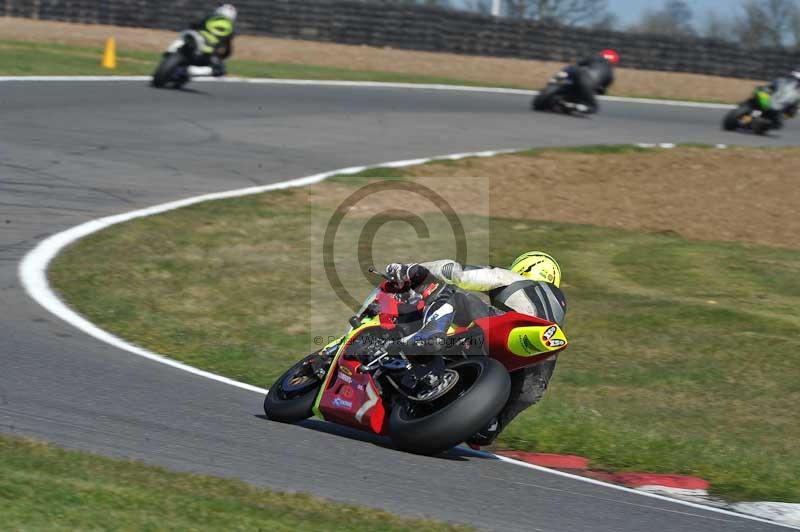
(425, 402)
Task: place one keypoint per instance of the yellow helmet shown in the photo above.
(538, 266)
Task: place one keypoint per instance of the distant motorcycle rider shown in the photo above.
(590, 76)
(530, 286)
(779, 99)
(218, 32)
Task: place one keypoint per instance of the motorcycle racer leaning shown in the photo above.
(591, 75)
(779, 99)
(530, 286)
(218, 32)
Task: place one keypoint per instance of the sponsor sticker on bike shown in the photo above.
(344, 376)
(526, 343)
(341, 403)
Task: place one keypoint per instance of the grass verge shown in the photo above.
(21, 58)
(44, 487)
(684, 352)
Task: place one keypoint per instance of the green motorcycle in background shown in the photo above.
(766, 108)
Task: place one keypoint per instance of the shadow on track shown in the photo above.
(457, 454)
(182, 90)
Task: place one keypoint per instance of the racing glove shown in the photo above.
(405, 276)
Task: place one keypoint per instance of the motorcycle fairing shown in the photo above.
(536, 340)
(348, 397)
(517, 340)
(392, 312)
(352, 399)
(389, 308)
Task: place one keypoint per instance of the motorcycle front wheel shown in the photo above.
(544, 100)
(731, 122)
(292, 397)
(165, 73)
(480, 394)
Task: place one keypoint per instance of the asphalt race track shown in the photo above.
(71, 152)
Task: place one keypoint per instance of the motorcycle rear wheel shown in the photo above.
(482, 392)
(296, 404)
(761, 126)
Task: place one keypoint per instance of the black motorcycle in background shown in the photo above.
(573, 89)
(567, 92)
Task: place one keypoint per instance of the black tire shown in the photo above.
(166, 69)
(458, 420)
(290, 407)
(180, 83)
(544, 100)
(761, 126)
(731, 120)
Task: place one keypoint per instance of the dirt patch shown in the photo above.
(490, 70)
(740, 194)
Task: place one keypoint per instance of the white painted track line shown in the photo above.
(33, 268)
(367, 84)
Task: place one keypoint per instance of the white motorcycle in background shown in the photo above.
(185, 58)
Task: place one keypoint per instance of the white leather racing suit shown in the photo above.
(506, 291)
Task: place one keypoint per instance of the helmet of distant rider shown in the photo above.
(610, 55)
(538, 266)
(227, 11)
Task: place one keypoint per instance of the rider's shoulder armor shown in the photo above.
(534, 298)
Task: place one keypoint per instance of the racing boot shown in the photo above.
(581, 108)
(217, 67)
(437, 320)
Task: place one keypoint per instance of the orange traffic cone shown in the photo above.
(110, 54)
